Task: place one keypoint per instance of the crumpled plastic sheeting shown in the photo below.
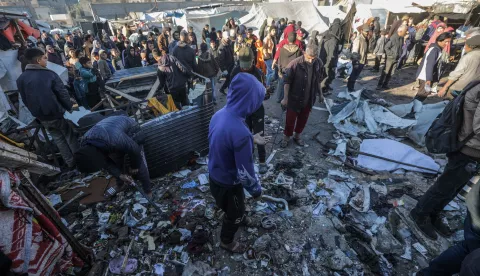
(388, 119)
(341, 150)
(348, 127)
(396, 151)
(346, 111)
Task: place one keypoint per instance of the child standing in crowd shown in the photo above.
(379, 50)
(143, 55)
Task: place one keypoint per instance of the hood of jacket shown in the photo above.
(36, 67)
(181, 44)
(336, 28)
(204, 56)
(245, 95)
(291, 48)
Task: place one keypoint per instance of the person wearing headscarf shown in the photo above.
(230, 25)
(133, 58)
(336, 29)
(97, 46)
(328, 56)
(438, 31)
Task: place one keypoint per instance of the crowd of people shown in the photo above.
(283, 58)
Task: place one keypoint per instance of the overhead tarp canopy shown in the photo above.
(454, 9)
(214, 17)
(159, 16)
(329, 13)
(304, 11)
(381, 9)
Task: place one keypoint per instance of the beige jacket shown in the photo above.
(471, 122)
(360, 46)
(467, 70)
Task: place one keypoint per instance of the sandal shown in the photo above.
(299, 142)
(234, 247)
(284, 143)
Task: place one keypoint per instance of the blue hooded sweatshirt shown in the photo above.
(231, 142)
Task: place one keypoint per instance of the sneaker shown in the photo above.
(424, 224)
(263, 168)
(441, 227)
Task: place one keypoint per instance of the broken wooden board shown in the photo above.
(16, 161)
(95, 189)
(434, 247)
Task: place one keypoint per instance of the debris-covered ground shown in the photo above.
(339, 219)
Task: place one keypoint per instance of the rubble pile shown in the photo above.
(332, 220)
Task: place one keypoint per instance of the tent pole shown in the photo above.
(386, 20)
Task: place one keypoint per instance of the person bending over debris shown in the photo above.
(46, 97)
(105, 145)
(303, 79)
(230, 158)
(462, 165)
(450, 261)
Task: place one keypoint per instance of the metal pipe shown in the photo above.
(274, 199)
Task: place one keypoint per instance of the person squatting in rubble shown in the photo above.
(173, 77)
(457, 259)
(427, 73)
(256, 120)
(462, 165)
(106, 145)
(231, 165)
(46, 97)
(303, 77)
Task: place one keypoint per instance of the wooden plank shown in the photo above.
(126, 96)
(16, 161)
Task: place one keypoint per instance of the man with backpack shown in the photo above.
(456, 134)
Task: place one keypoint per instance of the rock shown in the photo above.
(280, 256)
(387, 243)
(123, 232)
(262, 243)
(338, 261)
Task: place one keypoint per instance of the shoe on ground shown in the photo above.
(424, 223)
(441, 227)
(263, 168)
(385, 87)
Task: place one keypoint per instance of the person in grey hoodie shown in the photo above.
(393, 50)
(379, 50)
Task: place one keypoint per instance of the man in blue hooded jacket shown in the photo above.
(231, 165)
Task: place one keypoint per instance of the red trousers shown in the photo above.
(296, 121)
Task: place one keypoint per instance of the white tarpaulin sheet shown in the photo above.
(304, 11)
(329, 13)
(396, 151)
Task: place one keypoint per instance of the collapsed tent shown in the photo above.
(304, 11)
(329, 13)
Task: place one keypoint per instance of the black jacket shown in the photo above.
(329, 51)
(225, 55)
(296, 77)
(55, 58)
(254, 71)
(44, 93)
(207, 65)
(172, 73)
(288, 53)
(393, 48)
(116, 134)
(186, 55)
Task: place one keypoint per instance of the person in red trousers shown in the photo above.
(302, 84)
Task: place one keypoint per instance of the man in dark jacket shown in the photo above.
(303, 79)
(255, 121)
(393, 50)
(286, 54)
(53, 56)
(184, 53)
(225, 60)
(77, 40)
(173, 77)
(47, 99)
(461, 167)
(379, 50)
(230, 165)
(329, 56)
(105, 146)
(359, 58)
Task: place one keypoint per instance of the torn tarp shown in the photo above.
(396, 151)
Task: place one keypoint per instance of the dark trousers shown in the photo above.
(256, 124)
(403, 58)
(378, 61)
(460, 168)
(387, 72)
(421, 94)
(356, 70)
(450, 261)
(296, 121)
(232, 201)
(280, 89)
(118, 158)
(93, 95)
(228, 79)
(179, 96)
(64, 137)
(330, 71)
